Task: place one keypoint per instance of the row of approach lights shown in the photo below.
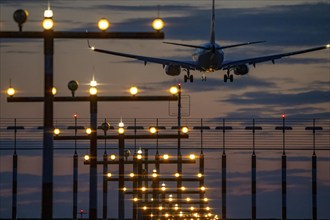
(20, 16)
(73, 86)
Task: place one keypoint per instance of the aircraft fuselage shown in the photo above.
(210, 59)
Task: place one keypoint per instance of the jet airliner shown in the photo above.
(209, 57)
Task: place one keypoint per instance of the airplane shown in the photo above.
(208, 57)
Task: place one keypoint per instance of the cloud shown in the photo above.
(284, 99)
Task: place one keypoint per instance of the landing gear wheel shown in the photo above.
(191, 78)
(185, 78)
(231, 78)
(225, 78)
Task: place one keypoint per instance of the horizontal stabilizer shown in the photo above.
(242, 44)
(187, 45)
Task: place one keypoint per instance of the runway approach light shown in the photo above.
(184, 129)
(152, 130)
(54, 91)
(103, 24)
(158, 24)
(11, 91)
(174, 90)
(133, 90)
(86, 157)
(57, 131)
(88, 131)
(192, 157)
(93, 91)
(48, 23)
(328, 46)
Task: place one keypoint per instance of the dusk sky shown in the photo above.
(297, 86)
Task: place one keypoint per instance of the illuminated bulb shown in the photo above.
(206, 199)
(121, 124)
(160, 208)
(192, 208)
(48, 23)
(88, 130)
(283, 115)
(199, 175)
(93, 91)
(174, 90)
(180, 214)
(184, 130)
(151, 215)
(166, 156)
(103, 24)
(143, 189)
(208, 208)
(328, 46)
(203, 188)
(183, 188)
(158, 24)
(124, 189)
(109, 175)
(152, 130)
(57, 131)
(121, 130)
(131, 175)
(86, 157)
(139, 156)
(192, 156)
(11, 91)
(54, 91)
(112, 157)
(163, 187)
(166, 215)
(139, 151)
(93, 83)
(133, 90)
(135, 199)
(145, 208)
(188, 199)
(48, 13)
(177, 174)
(154, 174)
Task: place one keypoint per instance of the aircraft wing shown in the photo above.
(184, 64)
(253, 61)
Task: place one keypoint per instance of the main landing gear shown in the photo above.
(228, 76)
(188, 77)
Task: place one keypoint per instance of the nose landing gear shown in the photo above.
(188, 77)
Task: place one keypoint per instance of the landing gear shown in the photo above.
(228, 76)
(203, 77)
(188, 77)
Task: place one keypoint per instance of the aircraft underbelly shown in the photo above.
(210, 61)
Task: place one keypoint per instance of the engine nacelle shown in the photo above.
(241, 69)
(172, 70)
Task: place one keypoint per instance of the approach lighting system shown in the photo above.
(158, 24)
(199, 175)
(93, 83)
(112, 157)
(166, 156)
(283, 115)
(109, 175)
(103, 24)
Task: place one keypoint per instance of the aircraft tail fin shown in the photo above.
(212, 40)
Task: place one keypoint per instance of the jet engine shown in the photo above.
(241, 69)
(172, 70)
